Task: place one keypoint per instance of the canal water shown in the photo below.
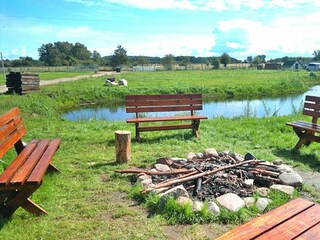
(264, 107)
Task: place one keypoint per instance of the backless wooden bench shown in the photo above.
(23, 176)
(306, 131)
(188, 103)
(297, 219)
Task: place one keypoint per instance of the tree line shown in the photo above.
(69, 54)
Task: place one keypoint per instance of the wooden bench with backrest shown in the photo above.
(306, 131)
(142, 104)
(23, 176)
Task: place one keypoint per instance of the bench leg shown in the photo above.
(195, 124)
(33, 208)
(52, 168)
(303, 135)
(20, 199)
(137, 132)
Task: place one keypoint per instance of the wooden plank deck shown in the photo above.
(297, 219)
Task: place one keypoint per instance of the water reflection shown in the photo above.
(228, 109)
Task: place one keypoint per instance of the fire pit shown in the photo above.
(216, 176)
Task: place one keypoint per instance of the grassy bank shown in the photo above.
(88, 200)
(222, 84)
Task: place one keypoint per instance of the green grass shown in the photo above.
(222, 83)
(88, 200)
(2, 79)
(55, 75)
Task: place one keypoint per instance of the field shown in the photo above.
(90, 201)
(51, 75)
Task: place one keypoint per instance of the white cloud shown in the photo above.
(234, 45)
(283, 35)
(154, 45)
(218, 5)
(105, 42)
(18, 52)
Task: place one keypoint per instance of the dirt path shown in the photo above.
(3, 88)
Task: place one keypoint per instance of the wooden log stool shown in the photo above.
(123, 146)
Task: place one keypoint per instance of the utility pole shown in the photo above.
(3, 71)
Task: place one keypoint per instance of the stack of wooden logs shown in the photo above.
(22, 83)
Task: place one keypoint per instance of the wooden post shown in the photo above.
(123, 146)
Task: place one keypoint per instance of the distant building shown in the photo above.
(294, 65)
(273, 66)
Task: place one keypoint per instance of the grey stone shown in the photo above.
(285, 168)
(162, 167)
(211, 153)
(248, 183)
(277, 162)
(249, 201)
(191, 156)
(200, 155)
(147, 183)
(197, 206)
(291, 178)
(283, 188)
(263, 191)
(262, 203)
(142, 177)
(176, 192)
(184, 200)
(231, 202)
(213, 208)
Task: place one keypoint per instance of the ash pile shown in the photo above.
(229, 179)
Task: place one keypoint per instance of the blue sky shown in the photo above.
(241, 28)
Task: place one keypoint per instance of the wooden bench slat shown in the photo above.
(161, 119)
(10, 171)
(9, 128)
(9, 142)
(8, 116)
(169, 102)
(312, 98)
(311, 106)
(295, 225)
(31, 162)
(41, 167)
(162, 96)
(165, 127)
(311, 113)
(312, 233)
(267, 221)
(305, 125)
(163, 109)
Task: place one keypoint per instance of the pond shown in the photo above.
(228, 109)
